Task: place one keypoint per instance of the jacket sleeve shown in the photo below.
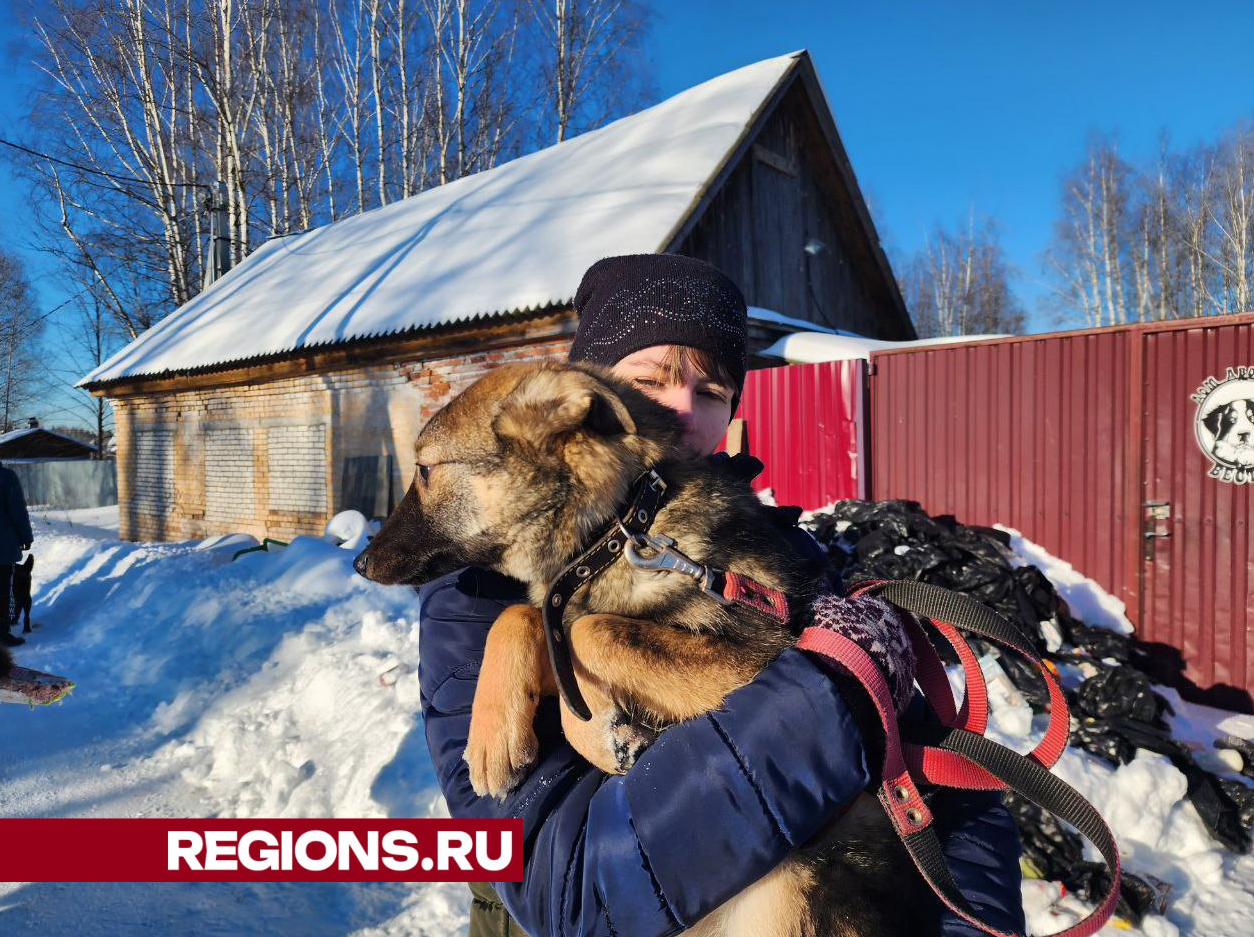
(982, 847)
(710, 807)
(16, 508)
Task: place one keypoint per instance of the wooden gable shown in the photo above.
(787, 183)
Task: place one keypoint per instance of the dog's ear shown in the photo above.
(551, 404)
(1211, 420)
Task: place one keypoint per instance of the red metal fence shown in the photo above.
(806, 422)
(1089, 443)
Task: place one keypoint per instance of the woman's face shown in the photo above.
(703, 403)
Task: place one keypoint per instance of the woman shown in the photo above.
(718, 801)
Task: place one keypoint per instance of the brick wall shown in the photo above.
(154, 470)
(269, 459)
(439, 380)
(296, 464)
(229, 473)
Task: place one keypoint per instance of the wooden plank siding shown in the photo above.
(784, 190)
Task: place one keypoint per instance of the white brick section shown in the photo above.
(229, 473)
(154, 471)
(298, 468)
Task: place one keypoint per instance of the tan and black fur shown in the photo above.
(516, 474)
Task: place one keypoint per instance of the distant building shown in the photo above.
(295, 386)
(34, 442)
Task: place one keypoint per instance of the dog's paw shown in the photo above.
(627, 740)
(501, 747)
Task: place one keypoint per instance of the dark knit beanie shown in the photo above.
(636, 301)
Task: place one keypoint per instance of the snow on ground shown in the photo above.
(277, 685)
(92, 523)
(1157, 829)
(281, 684)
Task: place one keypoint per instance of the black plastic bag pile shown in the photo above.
(1114, 708)
(1053, 851)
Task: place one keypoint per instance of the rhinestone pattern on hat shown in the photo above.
(673, 299)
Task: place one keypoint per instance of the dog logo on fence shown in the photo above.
(1225, 424)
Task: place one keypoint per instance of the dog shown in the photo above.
(516, 474)
(22, 592)
(1232, 427)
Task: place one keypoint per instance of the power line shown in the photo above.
(97, 172)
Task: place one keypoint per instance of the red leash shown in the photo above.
(955, 753)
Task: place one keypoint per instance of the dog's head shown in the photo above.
(1232, 422)
(516, 471)
(1232, 428)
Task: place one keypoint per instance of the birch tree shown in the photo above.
(1231, 214)
(305, 110)
(1091, 251)
(21, 370)
(87, 337)
(1175, 238)
(585, 47)
(958, 283)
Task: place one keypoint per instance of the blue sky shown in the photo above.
(949, 106)
(944, 107)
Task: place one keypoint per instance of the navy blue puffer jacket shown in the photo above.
(15, 529)
(713, 805)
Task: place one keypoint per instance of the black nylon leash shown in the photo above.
(1018, 774)
(644, 500)
(1015, 772)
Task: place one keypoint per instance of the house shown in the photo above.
(33, 442)
(295, 385)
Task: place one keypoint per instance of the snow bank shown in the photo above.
(278, 685)
(1088, 601)
(1158, 831)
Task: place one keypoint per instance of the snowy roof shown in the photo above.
(30, 430)
(510, 239)
(811, 347)
(758, 314)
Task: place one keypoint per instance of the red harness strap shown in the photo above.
(745, 591)
(955, 753)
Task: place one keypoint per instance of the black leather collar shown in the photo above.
(643, 502)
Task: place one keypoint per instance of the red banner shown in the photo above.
(147, 850)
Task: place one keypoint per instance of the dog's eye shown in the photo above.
(424, 472)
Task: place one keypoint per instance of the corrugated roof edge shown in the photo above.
(232, 364)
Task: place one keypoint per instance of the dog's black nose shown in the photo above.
(360, 564)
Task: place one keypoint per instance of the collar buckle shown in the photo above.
(667, 558)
